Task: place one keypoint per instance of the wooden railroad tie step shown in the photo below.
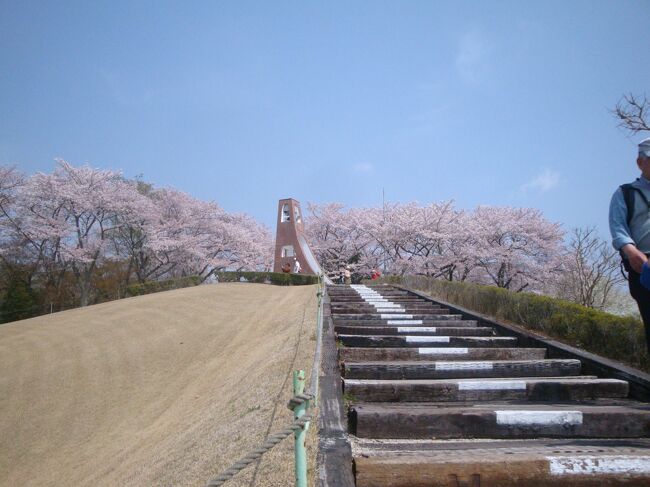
(369, 308)
(392, 323)
(436, 400)
(425, 341)
(357, 354)
(394, 299)
(554, 463)
(413, 329)
(383, 318)
(461, 369)
(522, 388)
(424, 421)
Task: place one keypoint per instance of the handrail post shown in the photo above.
(301, 434)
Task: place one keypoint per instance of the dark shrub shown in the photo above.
(157, 286)
(277, 278)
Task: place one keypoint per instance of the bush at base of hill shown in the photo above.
(277, 278)
(157, 286)
(19, 302)
(615, 337)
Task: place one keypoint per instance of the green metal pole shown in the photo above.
(314, 374)
(300, 435)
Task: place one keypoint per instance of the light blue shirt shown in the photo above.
(638, 232)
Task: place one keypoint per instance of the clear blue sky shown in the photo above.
(500, 103)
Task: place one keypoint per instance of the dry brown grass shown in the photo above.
(160, 390)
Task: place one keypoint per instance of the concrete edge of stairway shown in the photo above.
(334, 450)
(592, 364)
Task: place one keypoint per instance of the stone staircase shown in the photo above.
(436, 400)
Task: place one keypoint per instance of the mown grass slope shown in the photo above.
(164, 389)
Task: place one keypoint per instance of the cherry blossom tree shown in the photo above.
(27, 225)
(75, 210)
(420, 239)
(516, 247)
(338, 236)
(71, 222)
(10, 183)
(193, 237)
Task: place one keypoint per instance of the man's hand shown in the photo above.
(635, 256)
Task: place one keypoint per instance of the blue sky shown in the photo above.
(243, 103)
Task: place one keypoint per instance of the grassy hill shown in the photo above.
(164, 389)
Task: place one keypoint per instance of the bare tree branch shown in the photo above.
(632, 113)
(592, 270)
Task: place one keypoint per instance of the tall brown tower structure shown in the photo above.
(290, 241)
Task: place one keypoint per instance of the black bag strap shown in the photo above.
(628, 195)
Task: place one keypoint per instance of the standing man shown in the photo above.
(629, 223)
(296, 266)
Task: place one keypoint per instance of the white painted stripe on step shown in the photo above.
(387, 306)
(492, 339)
(589, 465)
(418, 339)
(442, 351)
(464, 365)
(376, 300)
(410, 329)
(527, 417)
(405, 322)
(389, 316)
(492, 385)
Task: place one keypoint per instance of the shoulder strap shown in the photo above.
(628, 195)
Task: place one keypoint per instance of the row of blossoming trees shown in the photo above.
(512, 248)
(68, 235)
(66, 229)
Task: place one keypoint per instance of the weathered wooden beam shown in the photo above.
(591, 363)
(525, 389)
(425, 341)
(411, 329)
(507, 464)
(379, 318)
(461, 369)
(421, 421)
(365, 308)
(347, 354)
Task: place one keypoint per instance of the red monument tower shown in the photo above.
(290, 241)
